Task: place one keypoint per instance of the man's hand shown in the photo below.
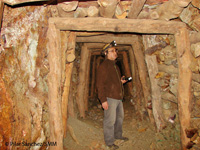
(105, 105)
(123, 80)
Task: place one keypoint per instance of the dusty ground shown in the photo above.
(87, 134)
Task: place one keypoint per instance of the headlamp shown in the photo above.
(112, 44)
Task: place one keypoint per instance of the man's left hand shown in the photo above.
(123, 80)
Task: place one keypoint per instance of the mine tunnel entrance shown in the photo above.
(96, 60)
(59, 104)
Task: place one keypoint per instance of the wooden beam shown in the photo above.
(87, 80)
(68, 73)
(152, 67)
(82, 76)
(54, 85)
(118, 25)
(184, 58)
(105, 39)
(127, 70)
(93, 79)
(170, 9)
(135, 8)
(142, 68)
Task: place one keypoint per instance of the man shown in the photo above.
(110, 92)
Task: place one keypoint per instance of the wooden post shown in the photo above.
(127, 70)
(81, 85)
(93, 77)
(142, 68)
(156, 94)
(152, 66)
(184, 58)
(68, 74)
(87, 79)
(54, 85)
(132, 65)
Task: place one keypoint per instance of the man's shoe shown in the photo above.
(123, 138)
(113, 147)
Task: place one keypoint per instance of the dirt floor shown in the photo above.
(87, 134)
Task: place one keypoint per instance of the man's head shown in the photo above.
(109, 51)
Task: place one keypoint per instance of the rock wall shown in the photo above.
(24, 69)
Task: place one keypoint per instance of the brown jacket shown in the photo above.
(109, 81)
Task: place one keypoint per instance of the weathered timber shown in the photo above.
(172, 70)
(68, 74)
(136, 8)
(184, 82)
(66, 9)
(70, 58)
(155, 89)
(105, 39)
(1, 13)
(93, 76)
(170, 9)
(89, 33)
(118, 25)
(107, 7)
(155, 48)
(132, 65)
(64, 37)
(87, 79)
(88, 4)
(82, 76)
(127, 70)
(54, 85)
(156, 93)
(142, 68)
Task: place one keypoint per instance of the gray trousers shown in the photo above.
(113, 120)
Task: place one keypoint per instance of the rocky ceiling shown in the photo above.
(16, 2)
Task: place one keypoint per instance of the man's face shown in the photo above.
(111, 53)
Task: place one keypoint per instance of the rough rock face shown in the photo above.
(24, 65)
(24, 70)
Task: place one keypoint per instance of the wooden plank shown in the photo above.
(127, 70)
(118, 25)
(142, 68)
(106, 39)
(82, 76)
(184, 58)
(87, 79)
(93, 77)
(135, 8)
(152, 67)
(54, 85)
(68, 73)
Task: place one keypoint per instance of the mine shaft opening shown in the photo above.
(96, 60)
(146, 27)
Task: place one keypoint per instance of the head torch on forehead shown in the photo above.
(107, 46)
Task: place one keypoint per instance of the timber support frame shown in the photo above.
(118, 25)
